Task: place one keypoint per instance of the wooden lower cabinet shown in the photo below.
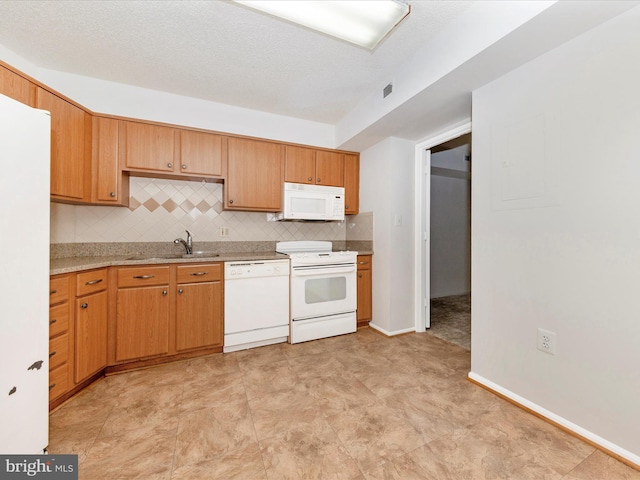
(162, 311)
(91, 323)
(364, 284)
(142, 322)
(60, 335)
(199, 307)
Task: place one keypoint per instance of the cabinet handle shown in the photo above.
(170, 165)
(93, 282)
(53, 321)
(199, 274)
(52, 386)
(84, 305)
(112, 194)
(184, 166)
(52, 354)
(143, 277)
(53, 292)
(230, 201)
(310, 178)
(164, 293)
(362, 263)
(180, 291)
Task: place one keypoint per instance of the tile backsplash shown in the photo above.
(160, 210)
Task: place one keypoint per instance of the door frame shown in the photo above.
(422, 218)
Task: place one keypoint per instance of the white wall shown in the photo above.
(556, 233)
(112, 98)
(386, 189)
(450, 229)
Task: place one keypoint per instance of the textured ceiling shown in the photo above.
(216, 50)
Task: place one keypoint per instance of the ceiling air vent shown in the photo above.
(386, 91)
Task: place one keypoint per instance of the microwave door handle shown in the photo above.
(309, 272)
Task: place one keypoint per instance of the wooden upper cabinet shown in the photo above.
(110, 185)
(147, 147)
(17, 87)
(300, 165)
(201, 153)
(70, 144)
(255, 173)
(351, 184)
(330, 168)
(318, 167)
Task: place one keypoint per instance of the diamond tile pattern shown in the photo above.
(160, 210)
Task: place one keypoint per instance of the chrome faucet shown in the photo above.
(188, 245)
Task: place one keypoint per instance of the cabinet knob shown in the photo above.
(112, 194)
(52, 386)
(230, 201)
(164, 293)
(170, 165)
(53, 292)
(318, 180)
(359, 275)
(184, 166)
(52, 354)
(310, 178)
(84, 305)
(346, 207)
(53, 321)
(180, 291)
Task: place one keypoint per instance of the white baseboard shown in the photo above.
(563, 422)
(391, 334)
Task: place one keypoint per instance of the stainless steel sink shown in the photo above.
(151, 256)
(173, 256)
(200, 254)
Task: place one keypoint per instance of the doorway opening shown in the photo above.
(449, 223)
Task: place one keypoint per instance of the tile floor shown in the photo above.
(359, 406)
(451, 319)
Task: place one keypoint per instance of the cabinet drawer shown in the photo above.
(58, 290)
(58, 351)
(58, 381)
(58, 319)
(199, 273)
(91, 282)
(364, 262)
(140, 276)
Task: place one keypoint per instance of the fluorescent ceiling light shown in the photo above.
(362, 22)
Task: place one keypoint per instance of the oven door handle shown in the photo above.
(317, 271)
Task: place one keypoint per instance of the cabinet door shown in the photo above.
(91, 335)
(19, 88)
(142, 322)
(330, 168)
(70, 167)
(351, 184)
(147, 147)
(254, 175)
(198, 315)
(365, 311)
(201, 153)
(299, 165)
(110, 185)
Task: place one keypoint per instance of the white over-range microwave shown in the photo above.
(312, 202)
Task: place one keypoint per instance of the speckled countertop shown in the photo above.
(66, 258)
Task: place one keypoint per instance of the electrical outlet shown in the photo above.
(224, 231)
(546, 341)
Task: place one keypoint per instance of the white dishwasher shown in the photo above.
(256, 303)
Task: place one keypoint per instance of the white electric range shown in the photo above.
(323, 293)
